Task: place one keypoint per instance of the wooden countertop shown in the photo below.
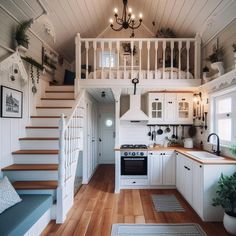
(182, 150)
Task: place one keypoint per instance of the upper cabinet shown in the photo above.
(170, 108)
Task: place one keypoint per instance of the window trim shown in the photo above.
(212, 116)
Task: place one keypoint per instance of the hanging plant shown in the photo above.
(20, 35)
(217, 55)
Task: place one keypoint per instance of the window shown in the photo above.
(107, 59)
(224, 113)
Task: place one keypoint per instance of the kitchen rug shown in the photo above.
(166, 203)
(157, 229)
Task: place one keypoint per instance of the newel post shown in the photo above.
(61, 215)
(77, 62)
(197, 57)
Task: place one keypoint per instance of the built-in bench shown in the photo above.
(26, 217)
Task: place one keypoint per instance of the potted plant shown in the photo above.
(20, 36)
(216, 59)
(226, 198)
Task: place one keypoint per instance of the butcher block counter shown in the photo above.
(184, 151)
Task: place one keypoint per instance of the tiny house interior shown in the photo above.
(117, 117)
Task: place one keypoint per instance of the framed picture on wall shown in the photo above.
(11, 103)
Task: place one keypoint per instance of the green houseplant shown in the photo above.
(226, 198)
(20, 36)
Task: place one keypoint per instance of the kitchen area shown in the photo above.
(160, 148)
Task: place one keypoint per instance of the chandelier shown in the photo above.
(127, 20)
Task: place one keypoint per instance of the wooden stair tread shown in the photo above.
(58, 91)
(42, 107)
(47, 117)
(32, 185)
(41, 127)
(39, 152)
(69, 99)
(30, 167)
(39, 138)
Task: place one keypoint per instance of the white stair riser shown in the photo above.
(45, 121)
(31, 175)
(35, 159)
(59, 95)
(39, 144)
(53, 112)
(60, 88)
(42, 132)
(56, 103)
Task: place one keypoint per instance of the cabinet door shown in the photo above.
(198, 184)
(156, 106)
(155, 169)
(187, 179)
(170, 108)
(180, 171)
(168, 169)
(185, 108)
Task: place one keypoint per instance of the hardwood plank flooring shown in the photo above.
(96, 208)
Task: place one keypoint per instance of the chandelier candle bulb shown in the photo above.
(111, 21)
(116, 10)
(140, 15)
(130, 10)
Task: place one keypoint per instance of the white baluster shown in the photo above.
(118, 60)
(132, 59)
(78, 63)
(188, 47)
(148, 58)
(172, 57)
(164, 59)
(156, 50)
(102, 47)
(197, 56)
(140, 59)
(95, 59)
(87, 48)
(110, 48)
(179, 49)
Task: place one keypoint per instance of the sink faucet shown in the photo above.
(217, 152)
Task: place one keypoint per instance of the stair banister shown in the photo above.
(68, 148)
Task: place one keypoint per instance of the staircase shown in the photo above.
(36, 164)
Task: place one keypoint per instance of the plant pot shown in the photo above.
(230, 224)
(218, 66)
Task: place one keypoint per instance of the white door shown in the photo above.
(107, 138)
(168, 168)
(156, 169)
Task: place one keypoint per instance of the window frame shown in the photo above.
(107, 53)
(214, 117)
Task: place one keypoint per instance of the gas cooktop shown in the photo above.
(133, 146)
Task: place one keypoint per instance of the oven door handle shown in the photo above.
(133, 159)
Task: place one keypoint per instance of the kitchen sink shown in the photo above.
(204, 155)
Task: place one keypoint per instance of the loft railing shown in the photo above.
(155, 58)
(70, 144)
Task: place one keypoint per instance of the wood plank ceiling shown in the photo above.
(90, 17)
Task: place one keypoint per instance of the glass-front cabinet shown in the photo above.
(185, 107)
(156, 113)
(170, 108)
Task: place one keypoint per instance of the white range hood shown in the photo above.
(135, 113)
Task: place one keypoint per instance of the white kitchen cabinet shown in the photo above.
(184, 177)
(170, 108)
(156, 107)
(184, 112)
(198, 183)
(162, 168)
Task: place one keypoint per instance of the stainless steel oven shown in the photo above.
(134, 163)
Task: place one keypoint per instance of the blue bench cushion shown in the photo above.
(18, 219)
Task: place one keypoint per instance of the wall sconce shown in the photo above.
(197, 97)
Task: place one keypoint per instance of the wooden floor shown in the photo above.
(96, 208)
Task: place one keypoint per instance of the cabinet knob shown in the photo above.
(170, 102)
(134, 182)
(183, 99)
(200, 166)
(156, 99)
